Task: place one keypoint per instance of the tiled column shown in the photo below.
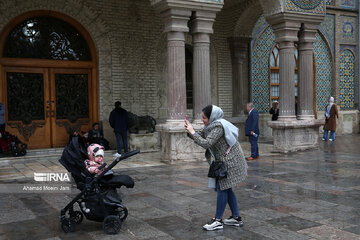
(176, 21)
(240, 84)
(306, 95)
(201, 28)
(286, 35)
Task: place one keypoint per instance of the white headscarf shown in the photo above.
(231, 132)
(328, 108)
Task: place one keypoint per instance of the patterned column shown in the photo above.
(176, 21)
(240, 84)
(201, 28)
(286, 31)
(306, 71)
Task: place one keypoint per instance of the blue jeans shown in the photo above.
(326, 133)
(224, 197)
(254, 146)
(121, 140)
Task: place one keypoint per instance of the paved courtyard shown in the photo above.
(305, 195)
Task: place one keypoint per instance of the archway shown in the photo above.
(49, 78)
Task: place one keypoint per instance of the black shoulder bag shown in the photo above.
(218, 168)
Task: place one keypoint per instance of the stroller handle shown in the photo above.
(117, 160)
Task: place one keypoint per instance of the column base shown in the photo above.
(291, 136)
(286, 118)
(175, 145)
(306, 117)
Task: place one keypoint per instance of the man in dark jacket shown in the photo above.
(119, 122)
(252, 130)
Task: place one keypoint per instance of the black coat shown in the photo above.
(119, 120)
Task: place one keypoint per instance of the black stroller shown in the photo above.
(98, 199)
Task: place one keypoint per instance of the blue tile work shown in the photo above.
(347, 75)
(260, 70)
(323, 70)
(327, 27)
(348, 29)
(306, 6)
(330, 2)
(350, 4)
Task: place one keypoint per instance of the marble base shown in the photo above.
(146, 142)
(290, 136)
(175, 145)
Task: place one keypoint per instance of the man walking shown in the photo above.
(119, 122)
(252, 130)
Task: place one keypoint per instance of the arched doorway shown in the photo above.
(48, 78)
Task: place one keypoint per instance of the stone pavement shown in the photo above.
(305, 195)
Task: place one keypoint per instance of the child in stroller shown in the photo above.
(98, 199)
(11, 144)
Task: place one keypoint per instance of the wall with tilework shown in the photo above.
(347, 83)
(260, 71)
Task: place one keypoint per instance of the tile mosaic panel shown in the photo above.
(330, 2)
(348, 29)
(351, 4)
(347, 76)
(323, 72)
(328, 29)
(306, 6)
(260, 70)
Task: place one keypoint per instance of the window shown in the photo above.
(46, 37)
(274, 74)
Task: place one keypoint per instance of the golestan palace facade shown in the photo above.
(65, 63)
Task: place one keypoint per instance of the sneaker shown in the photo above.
(231, 221)
(331, 140)
(323, 139)
(117, 155)
(213, 224)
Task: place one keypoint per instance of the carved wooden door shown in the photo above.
(27, 105)
(45, 105)
(70, 103)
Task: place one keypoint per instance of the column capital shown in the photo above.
(175, 19)
(239, 47)
(202, 22)
(307, 36)
(285, 27)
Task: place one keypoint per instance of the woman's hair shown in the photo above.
(207, 111)
(96, 123)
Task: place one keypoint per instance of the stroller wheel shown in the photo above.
(77, 217)
(123, 214)
(68, 225)
(112, 224)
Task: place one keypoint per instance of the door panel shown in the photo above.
(26, 96)
(71, 103)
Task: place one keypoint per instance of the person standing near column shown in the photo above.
(331, 112)
(2, 117)
(252, 130)
(119, 121)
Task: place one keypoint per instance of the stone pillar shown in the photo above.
(306, 71)
(286, 31)
(176, 21)
(240, 74)
(291, 134)
(201, 28)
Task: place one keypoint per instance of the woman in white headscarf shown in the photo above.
(331, 112)
(219, 137)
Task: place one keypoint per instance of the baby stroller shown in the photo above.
(98, 199)
(11, 144)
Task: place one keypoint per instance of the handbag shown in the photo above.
(218, 168)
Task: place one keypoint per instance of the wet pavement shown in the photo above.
(306, 195)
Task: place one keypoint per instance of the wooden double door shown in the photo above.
(45, 105)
